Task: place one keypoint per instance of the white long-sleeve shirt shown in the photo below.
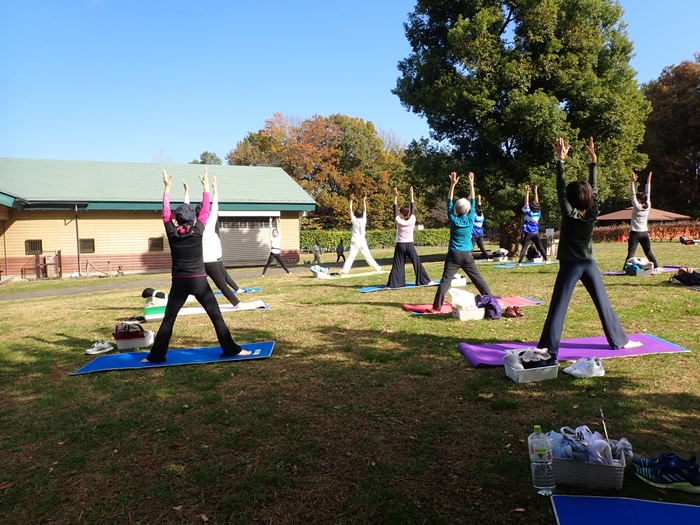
(275, 242)
(639, 214)
(211, 244)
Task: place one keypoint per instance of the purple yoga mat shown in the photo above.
(569, 349)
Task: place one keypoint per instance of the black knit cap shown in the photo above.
(184, 214)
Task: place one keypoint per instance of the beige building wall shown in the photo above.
(120, 237)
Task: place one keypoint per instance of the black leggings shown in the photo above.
(274, 257)
(533, 238)
(181, 288)
(479, 241)
(453, 262)
(218, 274)
(643, 239)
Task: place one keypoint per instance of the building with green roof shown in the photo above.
(104, 215)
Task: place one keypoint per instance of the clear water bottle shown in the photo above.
(541, 462)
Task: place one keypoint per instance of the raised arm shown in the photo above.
(187, 191)
(454, 179)
(593, 166)
(204, 211)
(413, 206)
(537, 199)
(561, 151)
(166, 213)
(471, 188)
(478, 197)
(352, 198)
(648, 189)
(527, 195)
(396, 202)
(364, 206)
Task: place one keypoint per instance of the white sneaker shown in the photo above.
(577, 364)
(591, 368)
(100, 347)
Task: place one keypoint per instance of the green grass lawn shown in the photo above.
(364, 413)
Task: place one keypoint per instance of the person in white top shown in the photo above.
(405, 220)
(211, 247)
(275, 247)
(358, 243)
(639, 232)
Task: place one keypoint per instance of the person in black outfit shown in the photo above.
(340, 251)
(184, 233)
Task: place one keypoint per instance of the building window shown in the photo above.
(87, 245)
(33, 247)
(241, 223)
(155, 244)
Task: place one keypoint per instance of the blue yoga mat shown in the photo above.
(515, 265)
(190, 356)
(587, 510)
(242, 290)
(367, 289)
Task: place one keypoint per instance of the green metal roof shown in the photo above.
(94, 185)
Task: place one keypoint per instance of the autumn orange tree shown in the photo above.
(330, 157)
(672, 138)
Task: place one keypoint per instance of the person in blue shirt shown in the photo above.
(478, 230)
(531, 226)
(459, 252)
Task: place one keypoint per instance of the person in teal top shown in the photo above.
(459, 251)
(579, 208)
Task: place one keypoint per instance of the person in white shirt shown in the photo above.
(358, 243)
(639, 232)
(211, 248)
(275, 247)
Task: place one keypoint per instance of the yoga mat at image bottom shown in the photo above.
(515, 265)
(155, 313)
(381, 288)
(191, 356)
(570, 349)
(191, 298)
(588, 510)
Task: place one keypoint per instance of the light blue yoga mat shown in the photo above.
(515, 265)
(381, 288)
(597, 510)
(189, 356)
(243, 290)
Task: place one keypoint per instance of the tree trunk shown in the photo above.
(509, 237)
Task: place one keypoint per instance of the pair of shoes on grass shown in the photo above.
(586, 367)
(513, 311)
(669, 471)
(100, 347)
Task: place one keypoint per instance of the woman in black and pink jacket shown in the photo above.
(184, 232)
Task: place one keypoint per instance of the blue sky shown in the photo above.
(136, 80)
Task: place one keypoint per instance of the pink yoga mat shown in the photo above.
(427, 308)
(569, 349)
(516, 300)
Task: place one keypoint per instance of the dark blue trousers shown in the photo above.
(570, 272)
(453, 262)
(397, 277)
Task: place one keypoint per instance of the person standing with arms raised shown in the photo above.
(358, 242)
(639, 231)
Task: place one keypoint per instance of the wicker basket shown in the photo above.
(589, 475)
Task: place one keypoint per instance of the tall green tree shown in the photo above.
(499, 80)
(672, 138)
(207, 158)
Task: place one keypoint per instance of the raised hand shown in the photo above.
(590, 148)
(396, 191)
(352, 197)
(213, 183)
(204, 178)
(410, 192)
(649, 178)
(454, 179)
(167, 180)
(561, 149)
(633, 177)
(527, 188)
(471, 177)
(184, 185)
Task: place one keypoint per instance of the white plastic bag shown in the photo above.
(462, 299)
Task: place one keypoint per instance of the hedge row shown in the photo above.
(375, 238)
(658, 231)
